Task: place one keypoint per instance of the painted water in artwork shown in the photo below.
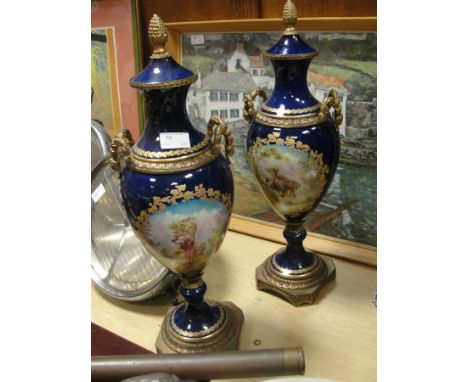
(187, 233)
(231, 65)
(105, 106)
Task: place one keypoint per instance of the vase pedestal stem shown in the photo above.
(294, 273)
(198, 325)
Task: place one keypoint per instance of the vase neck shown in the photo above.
(165, 113)
(165, 108)
(291, 90)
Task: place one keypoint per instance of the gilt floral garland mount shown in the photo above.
(180, 194)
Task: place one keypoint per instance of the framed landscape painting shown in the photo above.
(115, 58)
(228, 58)
(105, 106)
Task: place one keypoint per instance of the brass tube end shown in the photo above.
(294, 361)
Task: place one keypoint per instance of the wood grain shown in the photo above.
(191, 10)
(220, 10)
(321, 8)
(198, 10)
(338, 333)
(264, 25)
(195, 10)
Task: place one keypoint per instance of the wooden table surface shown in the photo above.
(338, 333)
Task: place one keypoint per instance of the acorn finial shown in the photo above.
(290, 17)
(158, 35)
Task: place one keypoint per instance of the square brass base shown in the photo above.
(235, 321)
(296, 296)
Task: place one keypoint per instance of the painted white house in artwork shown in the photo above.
(320, 85)
(221, 94)
(240, 62)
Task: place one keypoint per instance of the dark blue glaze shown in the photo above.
(166, 113)
(291, 91)
(161, 70)
(292, 44)
(196, 315)
(138, 189)
(322, 138)
(294, 256)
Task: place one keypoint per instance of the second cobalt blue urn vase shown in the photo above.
(177, 189)
(293, 146)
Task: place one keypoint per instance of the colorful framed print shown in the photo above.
(115, 58)
(105, 106)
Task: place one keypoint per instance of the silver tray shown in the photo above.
(120, 265)
(100, 143)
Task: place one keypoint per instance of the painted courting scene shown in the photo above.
(187, 234)
(231, 65)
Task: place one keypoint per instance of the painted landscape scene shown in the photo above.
(291, 179)
(231, 65)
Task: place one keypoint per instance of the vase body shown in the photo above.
(177, 189)
(180, 217)
(293, 147)
(294, 164)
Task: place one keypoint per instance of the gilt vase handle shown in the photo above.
(120, 149)
(332, 100)
(249, 108)
(221, 130)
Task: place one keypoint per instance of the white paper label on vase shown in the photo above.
(174, 140)
(98, 192)
(197, 39)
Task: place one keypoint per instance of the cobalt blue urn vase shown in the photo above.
(177, 189)
(293, 147)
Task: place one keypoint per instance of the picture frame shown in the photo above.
(105, 104)
(335, 247)
(121, 19)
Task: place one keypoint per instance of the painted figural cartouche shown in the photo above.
(293, 147)
(177, 189)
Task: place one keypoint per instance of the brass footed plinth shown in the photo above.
(300, 288)
(224, 338)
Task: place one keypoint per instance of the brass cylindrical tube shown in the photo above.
(202, 366)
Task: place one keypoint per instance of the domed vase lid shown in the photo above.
(290, 46)
(162, 71)
(169, 142)
(291, 103)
